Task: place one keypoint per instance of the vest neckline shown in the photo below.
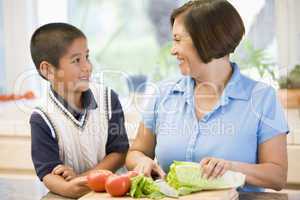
(79, 123)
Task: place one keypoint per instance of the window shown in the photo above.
(129, 37)
(45, 10)
(124, 39)
(259, 46)
(2, 67)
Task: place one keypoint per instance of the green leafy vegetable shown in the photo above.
(186, 178)
(142, 186)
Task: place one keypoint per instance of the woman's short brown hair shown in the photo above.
(215, 26)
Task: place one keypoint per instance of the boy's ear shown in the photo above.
(47, 70)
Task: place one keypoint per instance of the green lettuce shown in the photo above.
(142, 186)
(186, 178)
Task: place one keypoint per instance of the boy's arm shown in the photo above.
(44, 146)
(72, 189)
(45, 157)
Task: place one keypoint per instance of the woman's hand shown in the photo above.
(149, 167)
(141, 154)
(214, 167)
(65, 171)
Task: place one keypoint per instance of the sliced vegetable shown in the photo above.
(142, 187)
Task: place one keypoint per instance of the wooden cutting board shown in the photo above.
(230, 194)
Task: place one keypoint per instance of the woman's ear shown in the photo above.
(47, 70)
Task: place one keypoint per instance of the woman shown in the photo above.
(214, 115)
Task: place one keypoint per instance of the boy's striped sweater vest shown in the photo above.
(81, 143)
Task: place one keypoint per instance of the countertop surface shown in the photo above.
(242, 196)
(32, 189)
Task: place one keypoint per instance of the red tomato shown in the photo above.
(131, 174)
(118, 186)
(96, 180)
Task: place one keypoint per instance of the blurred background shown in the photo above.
(130, 45)
(133, 37)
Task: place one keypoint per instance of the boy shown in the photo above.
(80, 126)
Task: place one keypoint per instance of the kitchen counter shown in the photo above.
(242, 196)
(32, 189)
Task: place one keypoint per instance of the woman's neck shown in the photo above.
(216, 76)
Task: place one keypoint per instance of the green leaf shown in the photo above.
(186, 177)
(142, 186)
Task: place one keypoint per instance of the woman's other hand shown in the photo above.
(214, 167)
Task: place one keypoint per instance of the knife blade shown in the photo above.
(166, 189)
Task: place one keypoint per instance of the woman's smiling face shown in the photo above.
(184, 49)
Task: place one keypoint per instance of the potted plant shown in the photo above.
(257, 59)
(289, 92)
(289, 86)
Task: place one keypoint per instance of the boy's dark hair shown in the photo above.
(215, 26)
(51, 41)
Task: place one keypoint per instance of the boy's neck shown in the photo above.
(72, 98)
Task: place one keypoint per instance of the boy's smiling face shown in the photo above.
(74, 70)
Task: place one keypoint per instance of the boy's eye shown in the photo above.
(176, 40)
(76, 60)
(87, 57)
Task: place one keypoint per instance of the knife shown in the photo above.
(166, 189)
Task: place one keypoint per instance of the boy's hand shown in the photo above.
(65, 171)
(77, 186)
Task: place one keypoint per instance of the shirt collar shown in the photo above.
(238, 87)
(88, 102)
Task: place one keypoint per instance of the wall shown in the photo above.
(18, 22)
